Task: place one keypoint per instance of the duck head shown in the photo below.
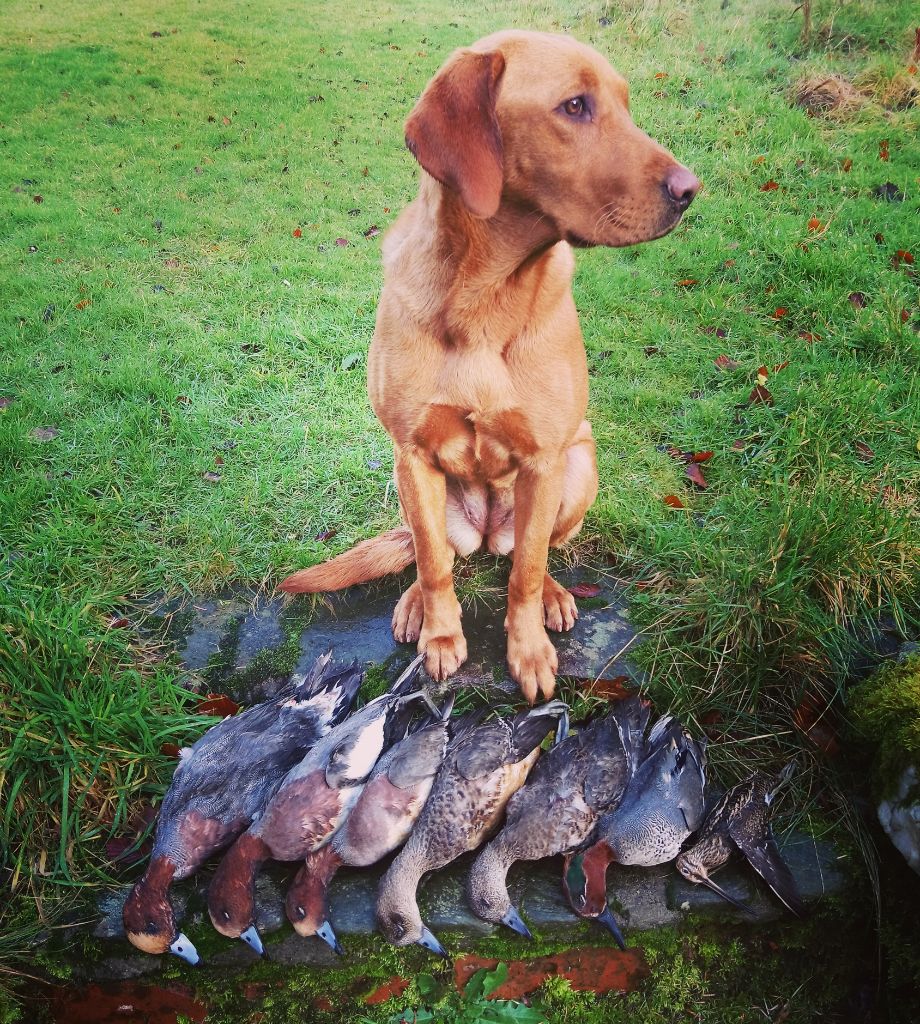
(149, 920)
(585, 883)
(306, 901)
(487, 891)
(232, 892)
(401, 923)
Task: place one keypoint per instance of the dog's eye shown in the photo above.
(576, 107)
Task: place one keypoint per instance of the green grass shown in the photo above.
(161, 315)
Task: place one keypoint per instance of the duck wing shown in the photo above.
(608, 761)
(764, 857)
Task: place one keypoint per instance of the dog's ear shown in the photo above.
(453, 131)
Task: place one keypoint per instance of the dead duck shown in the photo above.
(557, 808)
(221, 784)
(379, 823)
(662, 805)
(741, 820)
(310, 804)
(485, 764)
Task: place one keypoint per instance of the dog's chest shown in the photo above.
(470, 445)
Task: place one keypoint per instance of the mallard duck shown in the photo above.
(485, 764)
(219, 787)
(310, 804)
(558, 806)
(741, 820)
(380, 821)
(662, 805)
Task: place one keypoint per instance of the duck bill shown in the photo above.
(719, 891)
(430, 942)
(516, 923)
(252, 939)
(326, 933)
(184, 949)
(607, 919)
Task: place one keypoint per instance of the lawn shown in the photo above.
(193, 203)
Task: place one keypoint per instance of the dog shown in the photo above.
(477, 367)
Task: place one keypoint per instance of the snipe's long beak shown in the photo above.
(609, 921)
(719, 891)
(515, 922)
(326, 933)
(431, 943)
(183, 948)
(251, 938)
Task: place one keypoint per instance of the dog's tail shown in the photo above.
(389, 553)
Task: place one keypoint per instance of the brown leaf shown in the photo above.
(779, 312)
(183, 400)
(719, 332)
(846, 165)
(769, 186)
(45, 433)
(325, 535)
(760, 396)
(225, 121)
(211, 477)
(687, 282)
(673, 501)
(83, 304)
(902, 256)
(618, 688)
(38, 199)
(815, 225)
(780, 366)
(698, 457)
(652, 350)
(585, 590)
(218, 460)
(723, 362)
(739, 445)
(863, 452)
(297, 233)
(808, 337)
(169, 749)
(341, 242)
(372, 231)
(6, 401)
(858, 300)
(695, 475)
(119, 622)
(217, 704)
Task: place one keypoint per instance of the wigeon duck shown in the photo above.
(484, 766)
(558, 806)
(741, 820)
(311, 803)
(219, 787)
(379, 822)
(662, 805)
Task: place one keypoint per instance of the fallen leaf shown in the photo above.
(618, 688)
(808, 337)
(38, 199)
(762, 375)
(779, 312)
(902, 256)
(45, 433)
(780, 366)
(83, 304)
(883, 150)
(863, 452)
(759, 160)
(760, 395)
(351, 360)
(858, 300)
(211, 477)
(217, 704)
(652, 350)
(846, 165)
(171, 264)
(183, 400)
(687, 282)
(341, 242)
(119, 622)
(661, 74)
(769, 186)
(250, 348)
(879, 238)
(225, 121)
(218, 460)
(169, 749)
(673, 501)
(815, 225)
(695, 475)
(6, 401)
(372, 231)
(585, 590)
(297, 233)
(325, 535)
(905, 316)
(719, 332)
(739, 445)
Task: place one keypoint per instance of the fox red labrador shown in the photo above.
(477, 367)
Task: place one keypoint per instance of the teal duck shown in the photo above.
(220, 786)
(310, 805)
(741, 820)
(379, 823)
(485, 765)
(662, 805)
(557, 808)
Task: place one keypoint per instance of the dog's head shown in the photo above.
(541, 122)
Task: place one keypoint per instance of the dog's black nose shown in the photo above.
(682, 185)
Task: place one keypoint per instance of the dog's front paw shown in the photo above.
(533, 663)
(559, 609)
(443, 654)
(409, 615)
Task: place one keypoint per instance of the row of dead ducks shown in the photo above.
(298, 778)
